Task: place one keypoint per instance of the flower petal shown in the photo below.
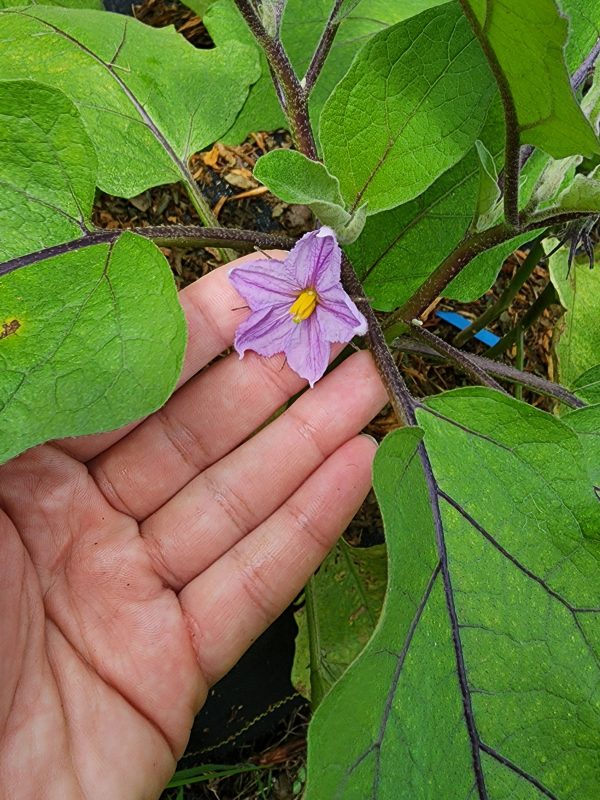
(339, 319)
(315, 260)
(266, 331)
(307, 351)
(264, 282)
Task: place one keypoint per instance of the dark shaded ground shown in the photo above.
(225, 176)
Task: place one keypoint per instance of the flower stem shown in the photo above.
(533, 258)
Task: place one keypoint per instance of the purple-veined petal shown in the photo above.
(339, 318)
(264, 283)
(307, 351)
(266, 331)
(315, 260)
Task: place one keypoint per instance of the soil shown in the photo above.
(225, 177)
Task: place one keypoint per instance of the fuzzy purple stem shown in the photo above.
(323, 48)
(462, 360)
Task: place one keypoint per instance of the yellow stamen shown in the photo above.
(304, 305)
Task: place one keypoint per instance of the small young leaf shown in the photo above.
(583, 194)
(480, 274)
(488, 639)
(578, 332)
(525, 43)
(411, 105)
(47, 169)
(89, 340)
(145, 113)
(486, 207)
(347, 593)
(296, 179)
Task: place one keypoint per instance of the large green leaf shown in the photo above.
(578, 331)
(342, 606)
(147, 97)
(91, 335)
(47, 169)
(303, 22)
(481, 678)
(94, 338)
(400, 248)
(586, 424)
(411, 105)
(525, 43)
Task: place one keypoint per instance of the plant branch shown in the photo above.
(463, 361)
(499, 370)
(470, 247)
(165, 235)
(322, 49)
(400, 398)
(508, 295)
(295, 98)
(512, 143)
(577, 79)
(435, 284)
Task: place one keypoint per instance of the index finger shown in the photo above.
(212, 309)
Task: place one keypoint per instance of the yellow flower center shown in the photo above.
(304, 305)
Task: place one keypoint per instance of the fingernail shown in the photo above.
(372, 438)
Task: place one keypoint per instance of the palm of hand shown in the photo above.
(136, 567)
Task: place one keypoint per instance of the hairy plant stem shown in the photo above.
(512, 145)
(463, 361)
(520, 359)
(203, 210)
(400, 398)
(294, 96)
(323, 48)
(508, 295)
(435, 284)
(470, 247)
(546, 298)
(499, 370)
(164, 235)
(577, 79)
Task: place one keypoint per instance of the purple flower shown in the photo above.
(298, 305)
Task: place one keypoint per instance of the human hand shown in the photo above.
(137, 566)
